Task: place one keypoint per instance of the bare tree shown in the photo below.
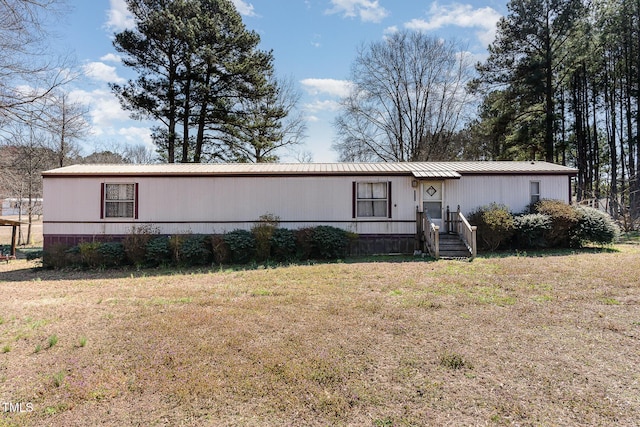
(407, 100)
(25, 156)
(139, 154)
(28, 71)
(67, 122)
(118, 152)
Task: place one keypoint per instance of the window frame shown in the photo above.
(538, 195)
(104, 201)
(386, 200)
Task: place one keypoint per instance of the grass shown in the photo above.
(53, 340)
(511, 339)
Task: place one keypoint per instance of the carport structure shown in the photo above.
(14, 235)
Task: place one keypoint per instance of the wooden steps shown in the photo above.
(452, 247)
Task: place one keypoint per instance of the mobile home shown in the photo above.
(384, 203)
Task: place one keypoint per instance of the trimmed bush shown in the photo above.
(56, 256)
(220, 249)
(304, 243)
(563, 219)
(262, 232)
(112, 254)
(495, 225)
(90, 256)
(594, 226)
(158, 251)
(135, 243)
(242, 245)
(330, 242)
(283, 244)
(530, 230)
(195, 250)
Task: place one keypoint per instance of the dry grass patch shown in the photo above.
(511, 340)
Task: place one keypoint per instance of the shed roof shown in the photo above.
(417, 169)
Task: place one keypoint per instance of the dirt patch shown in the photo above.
(512, 340)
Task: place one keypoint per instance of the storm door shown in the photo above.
(432, 198)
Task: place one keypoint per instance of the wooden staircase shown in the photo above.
(459, 240)
(452, 246)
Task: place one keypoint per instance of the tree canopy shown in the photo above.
(407, 100)
(199, 71)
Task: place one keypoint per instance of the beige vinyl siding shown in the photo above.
(219, 204)
(471, 192)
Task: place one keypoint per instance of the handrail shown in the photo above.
(431, 235)
(467, 232)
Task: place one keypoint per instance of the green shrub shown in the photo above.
(495, 225)
(111, 254)
(304, 243)
(262, 232)
(220, 249)
(158, 251)
(33, 254)
(594, 226)
(563, 219)
(56, 256)
(195, 250)
(90, 255)
(530, 230)
(175, 244)
(242, 245)
(283, 244)
(330, 242)
(135, 243)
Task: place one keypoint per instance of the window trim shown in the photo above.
(103, 200)
(532, 194)
(355, 200)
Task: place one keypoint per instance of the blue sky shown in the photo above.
(314, 43)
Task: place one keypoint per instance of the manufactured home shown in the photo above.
(15, 207)
(391, 206)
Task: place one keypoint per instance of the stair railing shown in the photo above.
(431, 235)
(466, 231)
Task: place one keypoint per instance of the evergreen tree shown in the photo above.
(195, 61)
(524, 60)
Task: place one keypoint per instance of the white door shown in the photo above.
(432, 198)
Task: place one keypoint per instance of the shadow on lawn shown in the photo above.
(543, 253)
(34, 271)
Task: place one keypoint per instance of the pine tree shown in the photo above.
(195, 61)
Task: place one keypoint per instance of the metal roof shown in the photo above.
(417, 169)
(436, 174)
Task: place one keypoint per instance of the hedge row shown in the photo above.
(144, 247)
(551, 224)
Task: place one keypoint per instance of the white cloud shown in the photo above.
(102, 72)
(105, 110)
(366, 10)
(319, 106)
(137, 135)
(109, 122)
(461, 15)
(331, 87)
(118, 16)
(244, 8)
(315, 42)
(390, 30)
(111, 57)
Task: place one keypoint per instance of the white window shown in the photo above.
(119, 200)
(372, 199)
(534, 191)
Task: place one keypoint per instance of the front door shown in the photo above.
(432, 201)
